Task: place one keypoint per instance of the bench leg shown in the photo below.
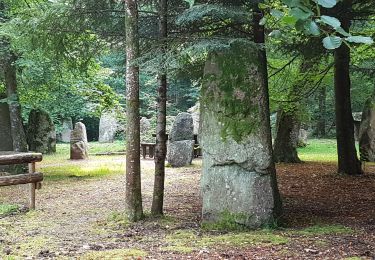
(32, 187)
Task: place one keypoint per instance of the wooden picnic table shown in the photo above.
(32, 177)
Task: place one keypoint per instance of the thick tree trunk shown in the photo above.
(161, 137)
(286, 141)
(348, 162)
(321, 124)
(134, 207)
(259, 37)
(17, 129)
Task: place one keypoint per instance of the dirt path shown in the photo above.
(76, 217)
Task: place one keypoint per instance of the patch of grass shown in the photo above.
(319, 150)
(116, 254)
(353, 258)
(325, 230)
(188, 241)
(227, 222)
(6, 209)
(82, 171)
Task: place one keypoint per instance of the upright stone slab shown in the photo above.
(357, 118)
(367, 132)
(78, 142)
(195, 113)
(67, 127)
(145, 126)
(238, 179)
(6, 143)
(41, 134)
(180, 151)
(107, 127)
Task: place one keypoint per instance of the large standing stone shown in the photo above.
(78, 142)
(180, 153)
(145, 126)
(180, 150)
(238, 180)
(6, 143)
(107, 127)
(182, 128)
(67, 127)
(195, 113)
(41, 134)
(367, 132)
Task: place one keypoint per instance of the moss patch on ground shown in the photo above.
(126, 253)
(6, 209)
(188, 241)
(318, 230)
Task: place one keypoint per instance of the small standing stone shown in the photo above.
(78, 142)
(107, 127)
(195, 113)
(67, 127)
(181, 141)
(41, 134)
(367, 132)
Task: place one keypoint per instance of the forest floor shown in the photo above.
(80, 215)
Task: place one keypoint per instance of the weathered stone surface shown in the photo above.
(180, 153)
(182, 128)
(367, 132)
(238, 171)
(145, 127)
(195, 113)
(107, 127)
(67, 127)
(303, 137)
(78, 142)
(6, 143)
(41, 134)
(357, 117)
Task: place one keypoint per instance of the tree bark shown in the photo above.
(259, 37)
(17, 129)
(348, 162)
(321, 124)
(286, 141)
(161, 137)
(134, 207)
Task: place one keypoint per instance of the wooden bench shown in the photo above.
(32, 177)
(148, 149)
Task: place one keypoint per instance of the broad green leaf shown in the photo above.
(332, 42)
(312, 28)
(332, 21)
(276, 13)
(341, 31)
(290, 20)
(360, 39)
(275, 34)
(327, 3)
(190, 2)
(263, 21)
(300, 14)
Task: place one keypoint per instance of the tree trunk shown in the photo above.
(134, 207)
(348, 162)
(321, 124)
(286, 141)
(161, 137)
(259, 37)
(17, 129)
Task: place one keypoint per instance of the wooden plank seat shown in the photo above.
(32, 177)
(148, 149)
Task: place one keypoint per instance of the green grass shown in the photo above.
(319, 150)
(188, 241)
(128, 253)
(7, 209)
(318, 230)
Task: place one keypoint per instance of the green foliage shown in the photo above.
(227, 222)
(6, 209)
